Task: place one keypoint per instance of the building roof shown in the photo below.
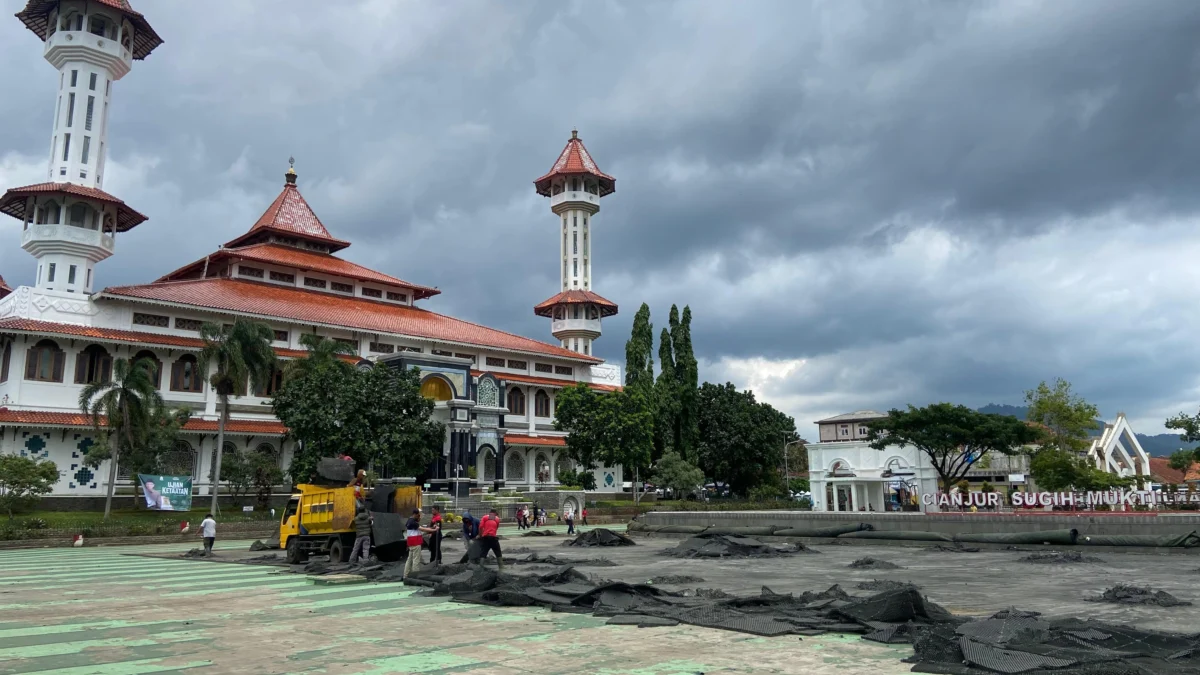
(289, 256)
(520, 439)
(546, 307)
(854, 416)
(312, 307)
(5, 289)
(291, 216)
(1161, 471)
(575, 160)
(13, 201)
(74, 419)
(545, 381)
(145, 40)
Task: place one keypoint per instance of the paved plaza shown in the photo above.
(142, 609)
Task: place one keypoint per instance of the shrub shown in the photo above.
(35, 524)
(764, 493)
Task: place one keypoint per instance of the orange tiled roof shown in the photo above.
(13, 201)
(5, 289)
(575, 160)
(544, 381)
(72, 419)
(311, 307)
(35, 18)
(288, 256)
(1161, 471)
(289, 215)
(546, 307)
(132, 336)
(518, 439)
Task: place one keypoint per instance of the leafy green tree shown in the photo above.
(639, 353)
(799, 485)
(610, 429)
(376, 416)
(687, 376)
(23, 481)
(666, 398)
(239, 353)
(323, 354)
(741, 440)
(675, 473)
(951, 436)
(148, 451)
(121, 409)
(573, 478)
(1067, 420)
(1182, 460)
(1057, 470)
(256, 470)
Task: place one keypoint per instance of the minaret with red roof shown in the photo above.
(575, 185)
(69, 221)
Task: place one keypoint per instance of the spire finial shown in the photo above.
(290, 176)
(574, 133)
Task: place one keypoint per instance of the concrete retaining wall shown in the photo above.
(947, 523)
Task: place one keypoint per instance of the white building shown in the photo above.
(1118, 451)
(494, 390)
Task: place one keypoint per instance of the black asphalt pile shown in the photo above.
(1122, 594)
(268, 545)
(1060, 558)
(600, 537)
(952, 548)
(1013, 641)
(194, 553)
(676, 579)
(270, 559)
(540, 533)
(729, 546)
(539, 559)
(884, 585)
(874, 564)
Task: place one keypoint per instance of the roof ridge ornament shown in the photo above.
(290, 176)
(574, 133)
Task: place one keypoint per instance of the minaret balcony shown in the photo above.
(572, 199)
(69, 239)
(575, 327)
(80, 45)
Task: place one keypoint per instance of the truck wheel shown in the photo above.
(294, 555)
(338, 552)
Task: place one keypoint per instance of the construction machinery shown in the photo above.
(319, 519)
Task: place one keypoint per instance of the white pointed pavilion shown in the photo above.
(1118, 451)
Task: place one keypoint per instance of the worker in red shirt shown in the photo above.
(414, 537)
(489, 539)
(435, 540)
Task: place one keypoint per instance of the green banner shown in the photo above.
(166, 493)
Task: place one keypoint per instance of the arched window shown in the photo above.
(180, 461)
(514, 467)
(541, 403)
(228, 450)
(272, 386)
(516, 401)
(489, 462)
(266, 449)
(7, 360)
(44, 362)
(93, 365)
(72, 20)
(436, 388)
(98, 25)
(185, 375)
(81, 215)
(155, 370)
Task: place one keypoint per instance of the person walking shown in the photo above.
(583, 513)
(533, 517)
(435, 540)
(362, 535)
(489, 539)
(208, 530)
(520, 517)
(413, 538)
(569, 516)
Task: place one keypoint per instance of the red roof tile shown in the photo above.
(288, 256)
(36, 12)
(5, 289)
(544, 381)
(546, 307)
(311, 307)
(575, 161)
(552, 441)
(72, 419)
(289, 215)
(1161, 471)
(13, 201)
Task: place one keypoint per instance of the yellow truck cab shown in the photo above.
(320, 519)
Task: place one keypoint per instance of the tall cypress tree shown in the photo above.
(687, 378)
(665, 398)
(639, 354)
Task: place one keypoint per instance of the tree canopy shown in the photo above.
(741, 440)
(609, 429)
(23, 481)
(676, 474)
(1057, 470)
(639, 353)
(376, 416)
(953, 437)
(1066, 419)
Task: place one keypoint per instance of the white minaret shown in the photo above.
(69, 221)
(575, 185)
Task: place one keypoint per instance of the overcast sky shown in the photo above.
(866, 204)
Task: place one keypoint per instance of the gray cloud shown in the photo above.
(843, 184)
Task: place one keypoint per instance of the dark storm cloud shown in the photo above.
(803, 136)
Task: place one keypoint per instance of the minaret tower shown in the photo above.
(69, 221)
(575, 185)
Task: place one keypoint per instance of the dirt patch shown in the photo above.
(1122, 594)
(952, 548)
(1059, 558)
(874, 564)
(600, 537)
(676, 579)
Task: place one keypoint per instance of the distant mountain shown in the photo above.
(1158, 445)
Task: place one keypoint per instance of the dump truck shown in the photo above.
(319, 520)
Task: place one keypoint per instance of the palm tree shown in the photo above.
(322, 353)
(127, 401)
(240, 353)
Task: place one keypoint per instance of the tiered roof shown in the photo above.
(575, 161)
(49, 418)
(14, 200)
(36, 15)
(290, 216)
(5, 289)
(546, 307)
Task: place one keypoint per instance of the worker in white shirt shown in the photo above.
(208, 530)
